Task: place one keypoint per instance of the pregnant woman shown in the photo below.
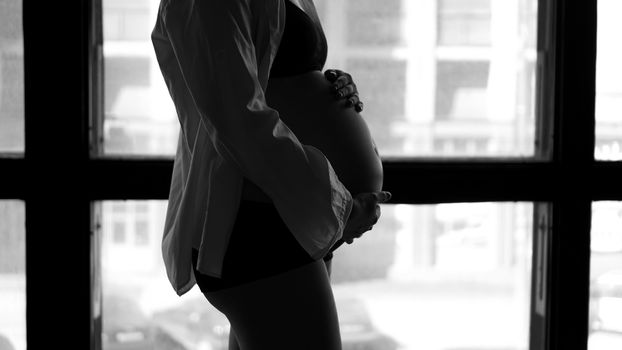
(271, 172)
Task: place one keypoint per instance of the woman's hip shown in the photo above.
(294, 308)
(260, 246)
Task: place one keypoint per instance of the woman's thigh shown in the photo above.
(292, 310)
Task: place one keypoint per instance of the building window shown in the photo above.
(141, 233)
(372, 24)
(608, 83)
(119, 233)
(11, 77)
(12, 274)
(461, 90)
(464, 22)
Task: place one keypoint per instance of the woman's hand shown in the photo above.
(364, 215)
(344, 88)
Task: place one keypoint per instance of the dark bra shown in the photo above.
(303, 46)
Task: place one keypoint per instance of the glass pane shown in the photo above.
(451, 276)
(12, 275)
(608, 82)
(11, 77)
(606, 277)
(442, 78)
(464, 22)
(140, 117)
(140, 309)
(370, 24)
(438, 78)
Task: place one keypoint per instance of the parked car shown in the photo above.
(197, 322)
(5, 343)
(357, 329)
(126, 327)
(204, 327)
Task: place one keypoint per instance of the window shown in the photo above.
(141, 233)
(436, 270)
(544, 88)
(605, 322)
(119, 233)
(457, 86)
(383, 46)
(608, 86)
(463, 22)
(372, 25)
(11, 78)
(138, 308)
(384, 102)
(139, 116)
(12, 275)
(429, 270)
(12, 209)
(461, 90)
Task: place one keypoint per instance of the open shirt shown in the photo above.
(215, 57)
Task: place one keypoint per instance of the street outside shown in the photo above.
(13, 311)
(437, 318)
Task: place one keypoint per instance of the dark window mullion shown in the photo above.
(12, 178)
(575, 44)
(470, 181)
(605, 179)
(130, 178)
(410, 182)
(56, 154)
(96, 77)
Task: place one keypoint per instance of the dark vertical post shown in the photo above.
(573, 157)
(56, 155)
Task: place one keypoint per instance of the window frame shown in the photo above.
(59, 180)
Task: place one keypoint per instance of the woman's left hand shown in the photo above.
(343, 87)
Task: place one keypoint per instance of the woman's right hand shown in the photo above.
(364, 215)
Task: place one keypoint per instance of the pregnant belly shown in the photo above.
(307, 107)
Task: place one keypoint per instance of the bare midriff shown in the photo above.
(307, 107)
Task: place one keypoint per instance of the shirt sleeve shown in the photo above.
(224, 49)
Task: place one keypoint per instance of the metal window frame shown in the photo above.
(59, 180)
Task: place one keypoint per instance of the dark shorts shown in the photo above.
(260, 246)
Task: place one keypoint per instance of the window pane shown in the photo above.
(140, 117)
(442, 78)
(464, 22)
(451, 276)
(606, 277)
(11, 77)
(140, 309)
(438, 78)
(373, 25)
(12, 275)
(608, 82)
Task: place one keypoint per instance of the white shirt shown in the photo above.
(215, 57)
